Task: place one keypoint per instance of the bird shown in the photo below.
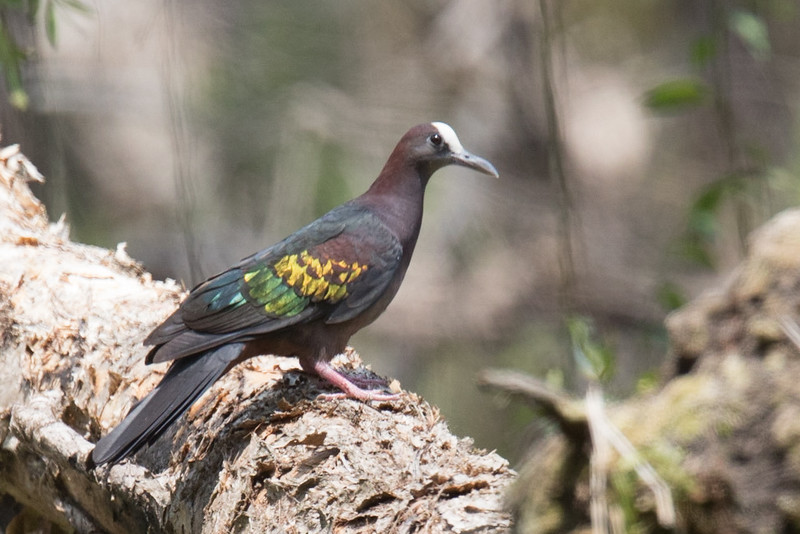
(302, 297)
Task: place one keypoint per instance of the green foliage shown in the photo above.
(50, 22)
(703, 224)
(744, 184)
(752, 31)
(634, 499)
(11, 58)
(12, 55)
(595, 359)
(670, 296)
(676, 95)
(647, 383)
(625, 488)
(703, 50)
(745, 190)
(687, 92)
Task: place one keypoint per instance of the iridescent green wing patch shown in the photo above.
(269, 291)
(217, 305)
(221, 294)
(294, 281)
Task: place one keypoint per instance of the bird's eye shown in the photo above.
(436, 140)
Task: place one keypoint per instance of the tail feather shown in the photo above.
(187, 344)
(186, 380)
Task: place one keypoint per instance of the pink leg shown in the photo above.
(350, 390)
(364, 382)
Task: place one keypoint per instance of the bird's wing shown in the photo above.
(333, 268)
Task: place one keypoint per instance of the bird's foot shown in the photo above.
(365, 381)
(360, 394)
(350, 386)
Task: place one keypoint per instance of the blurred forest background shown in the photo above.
(638, 142)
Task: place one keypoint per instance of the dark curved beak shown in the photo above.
(467, 159)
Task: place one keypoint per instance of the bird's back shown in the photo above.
(340, 271)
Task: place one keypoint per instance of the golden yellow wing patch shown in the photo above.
(318, 279)
(296, 279)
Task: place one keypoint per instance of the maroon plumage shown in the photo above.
(304, 296)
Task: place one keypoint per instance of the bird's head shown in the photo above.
(435, 145)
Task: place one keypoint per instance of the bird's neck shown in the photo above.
(397, 197)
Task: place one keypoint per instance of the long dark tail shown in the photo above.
(185, 381)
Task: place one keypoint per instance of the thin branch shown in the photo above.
(606, 436)
(555, 159)
(182, 168)
(599, 462)
(791, 329)
(563, 409)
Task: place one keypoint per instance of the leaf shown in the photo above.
(77, 5)
(704, 210)
(11, 58)
(676, 95)
(710, 199)
(33, 10)
(696, 250)
(703, 224)
(703, 50)
(753, 32)
(19, 98)
(594, 358)
(670, 296)
(648, 383)
(50, 22)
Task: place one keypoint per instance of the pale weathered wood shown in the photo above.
(257, 453)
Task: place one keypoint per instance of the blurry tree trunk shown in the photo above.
(257, 453)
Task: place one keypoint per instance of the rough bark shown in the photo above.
(723, 430)
(257, 453)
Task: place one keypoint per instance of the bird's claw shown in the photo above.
(349, 385)
(369, 396)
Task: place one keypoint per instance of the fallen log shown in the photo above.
(257, 453)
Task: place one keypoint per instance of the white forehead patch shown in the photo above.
(449, 136)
